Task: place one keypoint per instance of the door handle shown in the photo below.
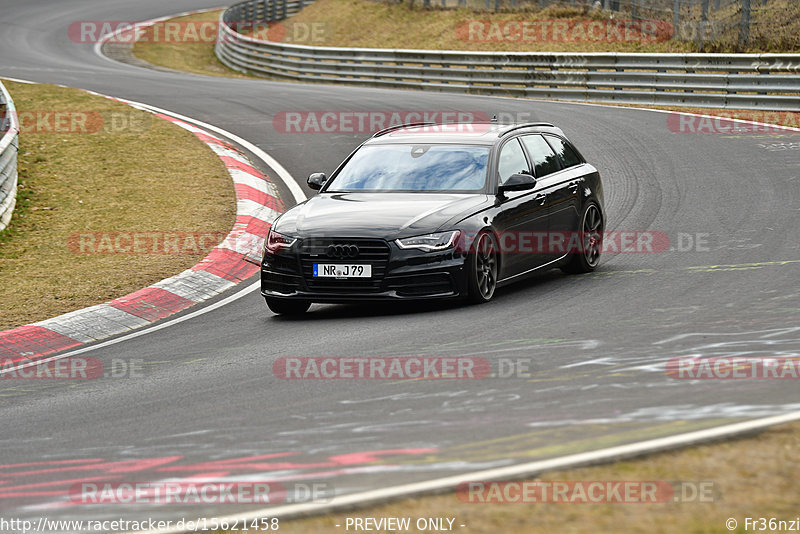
(574, 186)
(541, 198)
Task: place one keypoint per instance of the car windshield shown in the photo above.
(406, 167)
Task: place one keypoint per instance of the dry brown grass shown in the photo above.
(188, 56)
(152, 177)
(751, 477)
(371, 24)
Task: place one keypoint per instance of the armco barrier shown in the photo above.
(9, 144)
(741, 81)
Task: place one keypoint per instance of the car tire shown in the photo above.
(590, 235)
(288, 307)
(483, 268)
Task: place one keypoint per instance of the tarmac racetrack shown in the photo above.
(207, 403)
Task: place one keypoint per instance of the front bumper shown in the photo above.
(398, 274)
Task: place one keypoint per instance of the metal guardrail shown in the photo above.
(740, 81)
(263, 11)
(9, 144)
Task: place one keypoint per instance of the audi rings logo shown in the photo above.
(342, 251)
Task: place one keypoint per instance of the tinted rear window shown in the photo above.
(565, 153)
(542, 156)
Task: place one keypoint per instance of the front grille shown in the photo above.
(372, 251)
(283, 263)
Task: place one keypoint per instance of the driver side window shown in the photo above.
(511, 161)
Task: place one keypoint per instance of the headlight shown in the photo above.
(276, 242)
(431, 242)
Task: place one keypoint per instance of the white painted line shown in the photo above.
(503, 473)
(244, 178)
(98, 46)
(93, 323)
(228, 152)
(18, 80)
(283, 174)
(146, 330)
(687, 113)
(196, 286)
(250, 209)
(254, 209)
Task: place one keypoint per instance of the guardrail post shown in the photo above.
(701, 33)
(9, 144)
(744, 29)
(676, 17)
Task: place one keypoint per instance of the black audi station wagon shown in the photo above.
(428, 211)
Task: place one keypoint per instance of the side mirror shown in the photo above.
(317, 180)
(517, 182)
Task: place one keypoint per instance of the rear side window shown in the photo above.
(542, 156)
(566, 155)
(512, 161)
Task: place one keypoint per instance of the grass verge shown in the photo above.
(372, 24)
(136, 173)
(188, 55)
(747, 477)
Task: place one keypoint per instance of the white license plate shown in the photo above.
(342, 270)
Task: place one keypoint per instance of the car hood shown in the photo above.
(385, 215)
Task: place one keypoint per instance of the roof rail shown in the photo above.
(401, 126)
(526, 125)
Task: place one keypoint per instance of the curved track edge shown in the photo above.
(442, 485)
(228, 264)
